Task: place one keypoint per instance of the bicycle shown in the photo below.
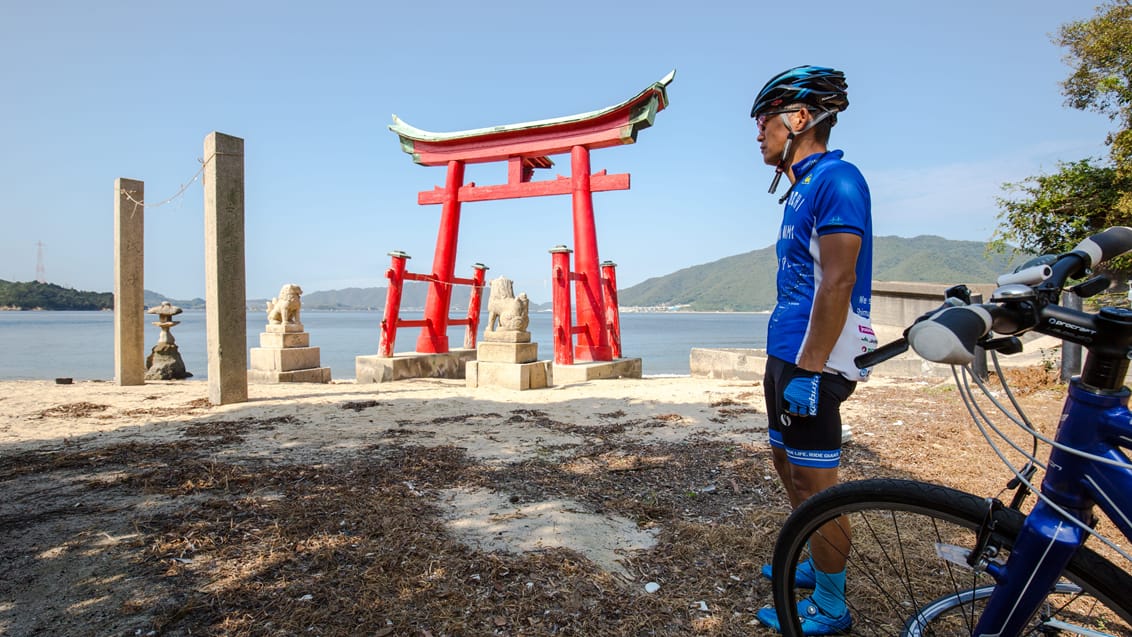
(931, 560)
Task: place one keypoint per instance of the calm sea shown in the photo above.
(80, 345)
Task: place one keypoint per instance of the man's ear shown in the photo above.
(800, 119)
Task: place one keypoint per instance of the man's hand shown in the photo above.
(801, 393)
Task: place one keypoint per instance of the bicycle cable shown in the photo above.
(968, 395)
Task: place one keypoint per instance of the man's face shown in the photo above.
(773, 131)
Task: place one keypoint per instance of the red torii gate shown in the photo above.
(525, 147)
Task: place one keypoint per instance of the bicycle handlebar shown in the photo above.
(1106, 245)
(1027, 300)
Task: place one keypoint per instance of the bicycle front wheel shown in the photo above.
(907, 572)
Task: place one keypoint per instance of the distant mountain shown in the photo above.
(745, 282)
(413, 296)
(151, 298)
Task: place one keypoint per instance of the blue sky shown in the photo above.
(949, 100)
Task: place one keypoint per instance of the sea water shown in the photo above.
(80, 345)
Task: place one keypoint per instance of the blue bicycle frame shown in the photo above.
(1096, 422)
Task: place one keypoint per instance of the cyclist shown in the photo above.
(821, 317)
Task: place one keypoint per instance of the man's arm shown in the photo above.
(832, 298)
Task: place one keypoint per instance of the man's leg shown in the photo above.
(812, 447)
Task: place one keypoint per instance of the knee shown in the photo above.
(807, 483)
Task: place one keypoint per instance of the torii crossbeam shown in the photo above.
(525, 147)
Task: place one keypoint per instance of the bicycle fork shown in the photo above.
(1044, 547)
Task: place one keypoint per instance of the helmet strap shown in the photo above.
(789, 146)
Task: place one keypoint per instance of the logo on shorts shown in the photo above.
(784, 419)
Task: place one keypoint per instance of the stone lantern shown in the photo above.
(164, 361)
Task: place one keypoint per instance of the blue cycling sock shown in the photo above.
(829, 593)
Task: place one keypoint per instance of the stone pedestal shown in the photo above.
(507, 358)
(165, 363)
(384, 369)
(284, 355)
(597, 370)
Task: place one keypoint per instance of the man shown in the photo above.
(821, 318)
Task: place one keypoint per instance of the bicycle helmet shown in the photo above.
(820, 87)
(817, 86)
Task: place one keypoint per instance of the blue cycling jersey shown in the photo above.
(829, 196)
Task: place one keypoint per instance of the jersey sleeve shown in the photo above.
(843, 201)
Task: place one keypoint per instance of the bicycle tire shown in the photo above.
(895, 569)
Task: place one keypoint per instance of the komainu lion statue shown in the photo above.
(504, 309)
(284, 309)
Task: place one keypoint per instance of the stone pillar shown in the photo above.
(225, 285)
(129, 282)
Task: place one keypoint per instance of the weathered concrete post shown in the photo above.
(129, 282)
(225, 287)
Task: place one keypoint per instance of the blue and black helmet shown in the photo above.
(817, 86)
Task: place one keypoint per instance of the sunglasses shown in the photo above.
(761, 118)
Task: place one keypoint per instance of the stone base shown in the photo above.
(165, 363)
(283, 328)
(520, 376)
(383, 369)
(507, 352)
(284, 340)
(315, 375)
(582, 372)
(506, 336)
(285, 356)
(284, 360)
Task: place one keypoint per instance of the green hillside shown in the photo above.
(32, 295)
(745, 282)
(412, 297)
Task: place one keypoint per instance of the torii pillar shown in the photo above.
(525, 147)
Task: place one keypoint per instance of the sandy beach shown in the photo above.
(420, 507)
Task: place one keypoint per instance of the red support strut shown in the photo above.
(612, 311)
(396, 276)
(392, 320)
(474, 305)
(563, 329)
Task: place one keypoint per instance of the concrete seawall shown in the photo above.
(895, 305)
(748, 364)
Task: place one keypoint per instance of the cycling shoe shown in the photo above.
(814, 621)
(803, 576)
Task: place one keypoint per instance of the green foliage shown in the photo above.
(1100, 54)
(1051, 213)
(1054, 212)
(33, 295)
(746, 282)
(1101, 58)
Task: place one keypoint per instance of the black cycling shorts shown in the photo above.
(809, 441)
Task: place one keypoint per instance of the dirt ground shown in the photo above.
(427, 510)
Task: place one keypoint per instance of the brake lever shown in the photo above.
(1091, 287)
(1004, 345)
(961, 292)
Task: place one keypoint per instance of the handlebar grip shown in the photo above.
(881, 354)
(950, 335)
(1106, 245)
